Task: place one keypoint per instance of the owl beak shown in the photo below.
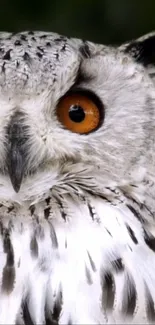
(17, 153)
(16, 166)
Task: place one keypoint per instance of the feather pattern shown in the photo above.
(78, 257)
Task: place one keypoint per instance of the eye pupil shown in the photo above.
(76, 113)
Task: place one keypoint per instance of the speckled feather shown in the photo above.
(77, 241)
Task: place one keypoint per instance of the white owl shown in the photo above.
(77, 181)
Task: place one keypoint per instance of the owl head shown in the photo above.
(68, 106)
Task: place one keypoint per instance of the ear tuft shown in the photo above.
(142, 50)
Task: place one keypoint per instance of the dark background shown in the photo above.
(103, 21)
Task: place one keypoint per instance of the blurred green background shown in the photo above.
(103, 21)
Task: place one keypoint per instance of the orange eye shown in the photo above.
(79, 113)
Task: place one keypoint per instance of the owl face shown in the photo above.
(65, 101)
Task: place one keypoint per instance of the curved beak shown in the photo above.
(16, 158)
(16, 166)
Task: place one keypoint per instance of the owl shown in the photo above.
(77, 180)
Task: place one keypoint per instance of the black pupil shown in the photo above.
(76, 113)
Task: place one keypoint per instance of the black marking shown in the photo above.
(105, 198)
(129, 297)
(34, 247)
(40, 55)
(50, 321)
(17, 43)
(48, 200)
(63, 48)
(150, 311)
(47, 212)
(47, 209)
(91, 262)
(48, 44)
(17, 64)
(88, 275)
(8, 276)
(32, 209)
(149, 240)
(26, 57)
(43, 36)
(108, 232)
(85, 51)
(75, 190)
(135, 213)
(130, 248)
(108, 290)
(30, 32)
(146, 207)
(23, 37)
(143, 51)
(3, 67)
(57, 308)
(112, 190)
(126, 194)
(90, 211)
(118, 265)
(6, 241)
(63, 214)
(40, 49)
(1, 228)
(8, 279)
(60, 39)
(33, 39)
(57, 56)
(10, 209)
(7, 55)
(26, 315)
(53, 236)
(8, 249)
(132, 234)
